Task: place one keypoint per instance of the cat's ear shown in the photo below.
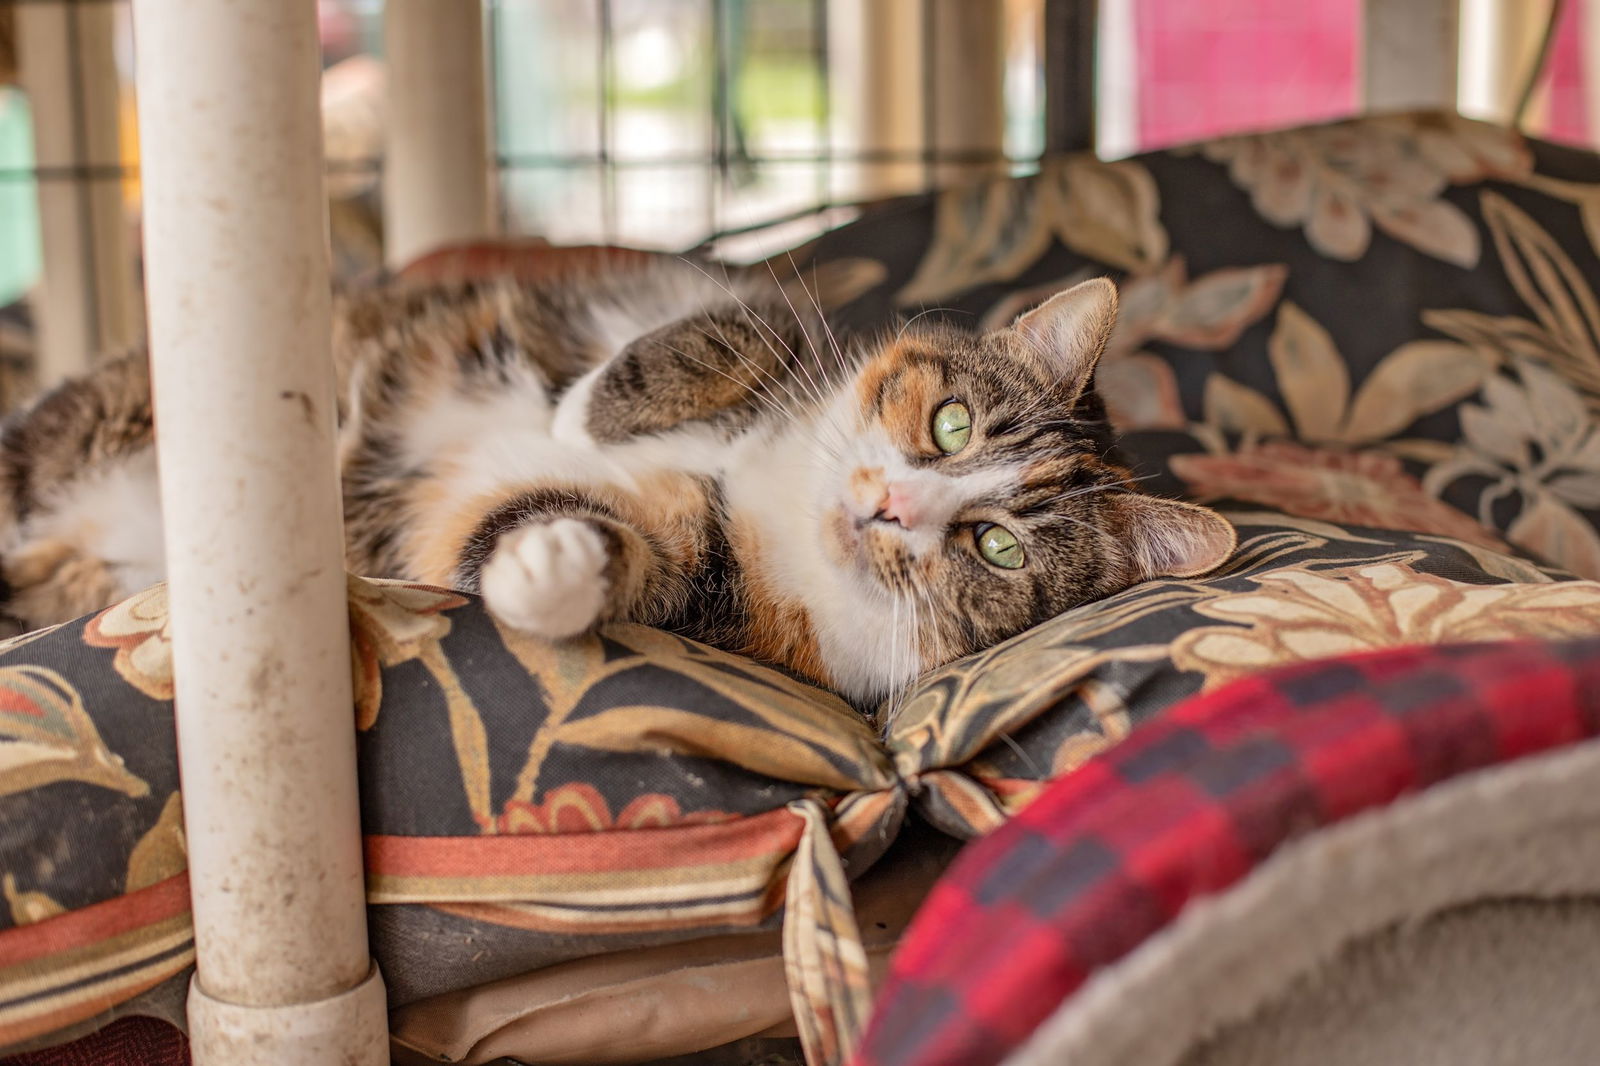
(1173, 539)
(1069, 331)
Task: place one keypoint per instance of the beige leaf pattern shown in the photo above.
(47, 736)
(28, 907)
(1414, 380)
(1298, 614)
(391, 622)
(137, 629)
(993, 231)
(1341, 181)
(1141, 392)
(1532, 438)
(801, 731)
(1311, 374)
(1237, 408)
(1556, 531)
(162, 852)
(1564, 305)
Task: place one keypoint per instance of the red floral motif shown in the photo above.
(580, 808)
(1360, 488)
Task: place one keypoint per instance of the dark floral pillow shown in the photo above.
(525, 803)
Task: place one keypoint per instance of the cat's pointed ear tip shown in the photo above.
(1213, 542)
(1097, 297)
(1179, 539)
(1103, 284)
(1100, 290)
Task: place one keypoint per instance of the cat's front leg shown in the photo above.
(550, 578)
(558, 561)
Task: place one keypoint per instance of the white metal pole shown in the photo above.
(238, 283)
(437, 177)
(1411, 50)
(1499, 46)
(876, 50)
(1117, 80)
(86, 301)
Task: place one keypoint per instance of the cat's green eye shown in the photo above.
(952, 427)
(998, 546)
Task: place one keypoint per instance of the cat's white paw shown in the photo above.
(548, 579)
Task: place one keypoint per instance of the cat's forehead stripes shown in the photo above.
(903, 372)
(1049, 478)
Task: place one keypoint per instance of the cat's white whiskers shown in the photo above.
(1089, 490)
(913, 647)
(751, 313)
(894, 658)
(758, 369)
(833, 342)
(901, 332)
(765, 330)
(821, 402)
(1058, 519)
(810, 343)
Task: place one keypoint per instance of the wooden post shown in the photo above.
(86, 302)
(437, 177)
(238, 279)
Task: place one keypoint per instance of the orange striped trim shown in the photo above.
(96, 922)
(775, 832)
(88, 1005)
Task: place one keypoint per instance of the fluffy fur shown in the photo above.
(669, 448)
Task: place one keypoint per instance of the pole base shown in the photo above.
(349, 1029)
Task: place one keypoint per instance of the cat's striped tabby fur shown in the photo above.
(663, 447)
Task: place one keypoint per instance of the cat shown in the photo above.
(671, 448)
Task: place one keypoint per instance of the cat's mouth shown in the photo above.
(844, 538)
(867, 546)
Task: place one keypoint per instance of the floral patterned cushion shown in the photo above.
(1343, 335)
(526, 804)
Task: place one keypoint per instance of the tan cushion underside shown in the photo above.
(657, 1002)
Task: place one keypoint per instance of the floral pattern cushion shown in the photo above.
(1286, 350)
(525, 804)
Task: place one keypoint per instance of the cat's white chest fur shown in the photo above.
(783, 481)
(779, 478)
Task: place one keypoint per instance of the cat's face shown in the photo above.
(972, 496)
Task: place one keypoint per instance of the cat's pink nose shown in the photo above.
(899, 505)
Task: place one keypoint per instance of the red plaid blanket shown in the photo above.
(1187, 806)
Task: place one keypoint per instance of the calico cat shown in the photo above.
(664, 447)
